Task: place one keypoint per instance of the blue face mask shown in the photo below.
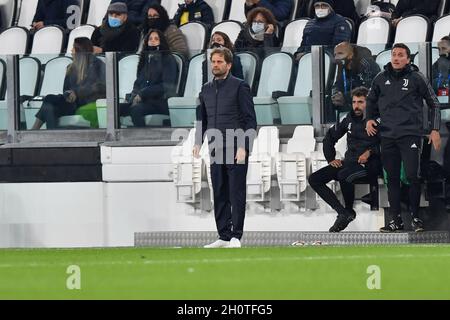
(114, 22)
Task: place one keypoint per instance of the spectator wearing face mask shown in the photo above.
(327, 28)
(441, 70)
(194, 10)
(156, 81)
(356, 68)
(116, 34)
(136, 9)
(157, 18)
(259, 34)
(281, 9)
(221, 40)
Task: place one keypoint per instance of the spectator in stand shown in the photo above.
(259, 34)
(327, 28)
(136, 9)
(194, 10)
(356, 68)
(116, 34)
(50, 12)
(84, 83)
(441, 69)
(281, 9)
(221, 40)
(156, 81)
(347, 9)
(157, 18)
(406, 8)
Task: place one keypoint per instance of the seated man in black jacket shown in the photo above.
(50, 12)
(361, 160)
(406, 8)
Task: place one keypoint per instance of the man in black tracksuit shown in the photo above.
(361, 160)
(396, 98)
(226, 105)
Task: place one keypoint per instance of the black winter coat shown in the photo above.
(136, 9)
(93, 87)
(54, 12)
(245, 42)
(281, 9)
(396, 97)
(123, 39)
(358, 141)
(199, 11)
(406, 8)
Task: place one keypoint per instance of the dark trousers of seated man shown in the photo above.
(394, 151)
(346, 175)
(229, 182)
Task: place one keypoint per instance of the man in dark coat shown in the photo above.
(116, 33)
(194, 10)
(281, 9)
(50, 12)
(406, 8)
(136, 9)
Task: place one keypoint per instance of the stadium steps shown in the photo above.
(268, 239)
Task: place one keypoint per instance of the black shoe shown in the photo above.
(393, 226)
(417, 225)
(342, 221)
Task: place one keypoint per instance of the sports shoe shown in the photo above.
(342, 221)
(218, 244)
(417, 225)
(392, 226)
(234, 243)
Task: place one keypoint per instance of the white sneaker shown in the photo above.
(235, 243)
(218, 244)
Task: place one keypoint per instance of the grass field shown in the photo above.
(319, 272)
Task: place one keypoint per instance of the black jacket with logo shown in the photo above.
(358, 141)
(225, 104)
(396, 98)
(199, 11)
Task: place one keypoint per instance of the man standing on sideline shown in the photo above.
(361, 160)
(227, 115)
(396, 98)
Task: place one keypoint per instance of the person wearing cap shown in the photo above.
(49, 12)
(194, 10)
(327, 28)
(117, 33)
(281, 9)
(136, 9)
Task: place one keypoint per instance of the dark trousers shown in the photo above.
(53, 107)
(346, 175)
(140, 110)
(394, 151)
(229, 183)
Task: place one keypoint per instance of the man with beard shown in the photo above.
(361, 160)
(227, 115)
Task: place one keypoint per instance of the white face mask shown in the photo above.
(322, 13)
(258, 27)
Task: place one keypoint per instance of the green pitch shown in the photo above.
(405, 272)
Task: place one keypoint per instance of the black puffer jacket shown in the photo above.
(123, 39)
(396, 97)
(199, 11)
(358, 141)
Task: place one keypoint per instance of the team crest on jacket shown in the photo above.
(405, 84)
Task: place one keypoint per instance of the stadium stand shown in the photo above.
(249, 61)
(441, 28)
(237, 11)
(97, 11)
(293, 35)
(14, 40)
(195, 33)
(230, 28)
(374, 31)
(81, 31)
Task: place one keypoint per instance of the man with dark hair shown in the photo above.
(227, 115)
(396, 98)
(405, 8)
(327, 28)
(136, 9)
(194, 10)
(361, 160)
(281, 9)
(441, 71)
(356, 68)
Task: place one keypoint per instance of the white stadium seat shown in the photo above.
(48, 43)
(237, 11)
(249, 63)
(195, 34)
(97, 11)
(275, 76)
(230, 28)
(171, 7)
(441, 28)
(412, 30)
(374, 33)
(81, 31)
(383, 58)
(26, 12)
(218, 8)
(293, 35)
(14, 40)
(182, 110)
(261, 164)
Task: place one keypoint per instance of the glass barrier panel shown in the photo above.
(62, 92)
(3, 105)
